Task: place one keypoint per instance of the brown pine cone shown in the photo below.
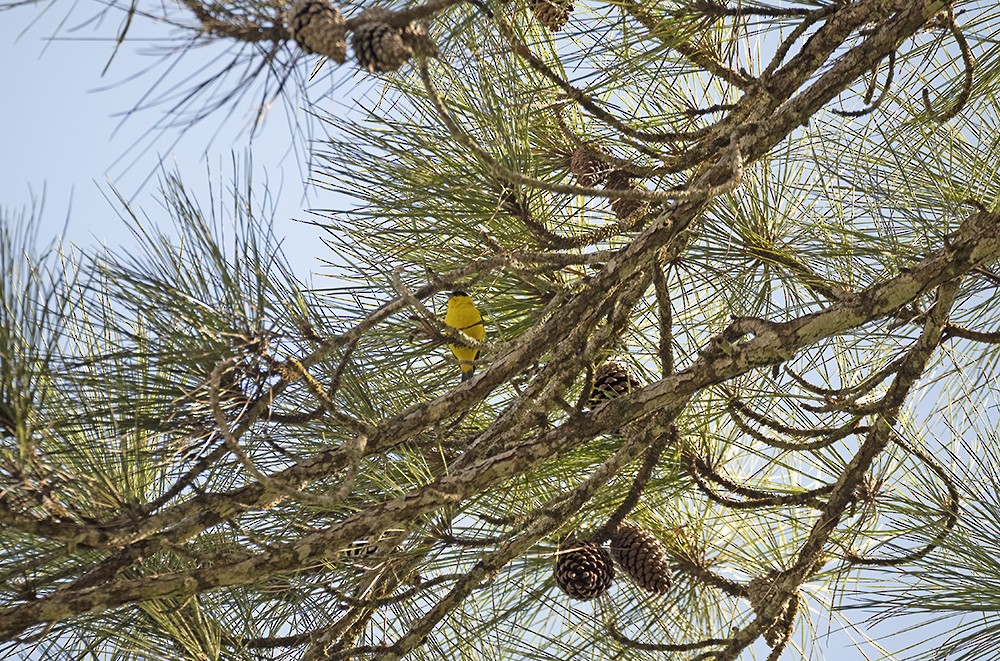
(379, 47)
(759, 591)
(318, 27)
(584, 571)
(621, 207)
(641, 557)
(587, 167)
(611, 380)
(552, 14)
(418, 41)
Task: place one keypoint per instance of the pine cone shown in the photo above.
(553, 14)
(418, 41)
(611, 380)
(381, 47)
(641, 557)
(318, 27)
(585, 571)
(621, 207)
(587, 167)
(759, 591)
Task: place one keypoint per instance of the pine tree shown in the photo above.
(780, 222)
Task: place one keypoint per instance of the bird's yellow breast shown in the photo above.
(463, 315)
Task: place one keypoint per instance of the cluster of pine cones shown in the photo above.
(585, 571)
(317, 26)
(590, 170)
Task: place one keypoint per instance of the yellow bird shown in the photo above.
(463, 315)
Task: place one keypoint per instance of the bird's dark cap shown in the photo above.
(457, 293)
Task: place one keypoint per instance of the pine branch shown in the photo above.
(808, 559)
(977, 242)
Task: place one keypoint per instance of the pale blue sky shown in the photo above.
(60, 134)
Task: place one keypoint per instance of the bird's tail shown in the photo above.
(468, 375)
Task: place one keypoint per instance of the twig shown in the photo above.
(403, 17)
(588, 389)
(969, 66)
(705, 575)
(577, 95)
(796, 446)
(709, 110)
(850, 392)
(718, 9)
(737, 405)
(699, 56)
(666, 339)
(871, 107)
(794, 36)
(951, 505)
(230, 26)
(953, 330)
(699, 469)
(511, 177)
(407, 295)
(398, 597)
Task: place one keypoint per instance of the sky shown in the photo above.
(64, 143)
